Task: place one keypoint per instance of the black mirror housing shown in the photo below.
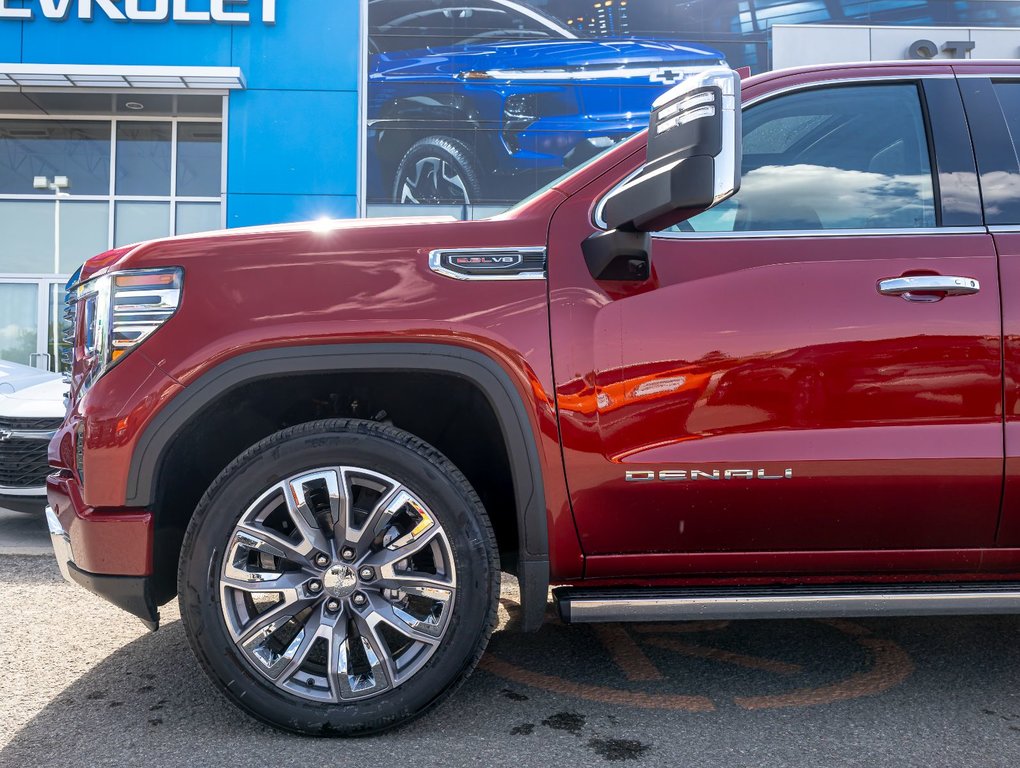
(692, 157)
(667, 196)
(617, 255)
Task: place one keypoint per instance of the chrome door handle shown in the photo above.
(921, 287)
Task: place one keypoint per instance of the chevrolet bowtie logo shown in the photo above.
(666, 76)
(5, 435)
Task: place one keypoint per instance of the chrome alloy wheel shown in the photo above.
(337, 584)
(435, 181)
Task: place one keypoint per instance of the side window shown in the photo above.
(1008, 94)
(1009, 98)
(847, 157)
(403, 25)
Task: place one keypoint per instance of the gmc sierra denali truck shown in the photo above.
(666, 400)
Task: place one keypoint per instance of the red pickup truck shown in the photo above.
(666, 400)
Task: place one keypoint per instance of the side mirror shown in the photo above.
(693, 156)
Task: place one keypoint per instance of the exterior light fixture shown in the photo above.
(58, 184)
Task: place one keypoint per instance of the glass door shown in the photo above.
(19, 322)
(57, 327)
(31, 321)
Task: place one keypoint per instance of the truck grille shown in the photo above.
(68, 325)
(23, 460)
(47, 424)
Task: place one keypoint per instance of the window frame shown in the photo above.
(996, 148)
(939, 228)
(925, 135)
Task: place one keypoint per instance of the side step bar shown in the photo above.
(583, 605)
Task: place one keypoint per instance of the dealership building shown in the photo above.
(123, 120)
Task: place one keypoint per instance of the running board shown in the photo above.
(584, 605)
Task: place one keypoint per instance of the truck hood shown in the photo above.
(570, 58)
(112, 258)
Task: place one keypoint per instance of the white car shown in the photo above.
(15, 376)
(29, 416)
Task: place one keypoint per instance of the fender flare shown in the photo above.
(404, 120)
(475, 367)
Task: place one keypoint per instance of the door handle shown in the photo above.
(925, 287)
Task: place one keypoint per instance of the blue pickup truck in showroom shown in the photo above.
(475, 101)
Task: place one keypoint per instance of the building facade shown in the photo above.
(123, 120)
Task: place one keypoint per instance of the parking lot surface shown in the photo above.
(22, 534)
(85, 684)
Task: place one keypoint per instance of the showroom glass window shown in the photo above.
(133, 173)
(847, 157)
(137, 166)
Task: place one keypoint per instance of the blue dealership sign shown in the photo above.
(186, 11)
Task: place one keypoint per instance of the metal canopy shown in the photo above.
(29, 76)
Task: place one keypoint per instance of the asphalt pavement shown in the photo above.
(23, 534)
(86, 685)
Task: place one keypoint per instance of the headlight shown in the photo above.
(521, 110)
(521, 107)
(120, 310)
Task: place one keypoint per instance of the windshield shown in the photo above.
(402, 25)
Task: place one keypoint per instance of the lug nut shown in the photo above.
(314, 586)
(321, 560)
(347, 553)
(359, 599)
(333, 605)
(366, 573)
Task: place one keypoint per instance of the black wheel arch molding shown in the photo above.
(475, 367)
(405, 120)
(436, 108)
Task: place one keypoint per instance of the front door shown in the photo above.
(782, 384)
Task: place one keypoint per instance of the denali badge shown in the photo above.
(641, 475)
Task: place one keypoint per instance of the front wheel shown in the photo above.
(339, 578)
(437, 170)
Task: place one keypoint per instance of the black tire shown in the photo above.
(437, 170)
(421, 469)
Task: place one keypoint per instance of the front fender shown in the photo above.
(482, 371)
